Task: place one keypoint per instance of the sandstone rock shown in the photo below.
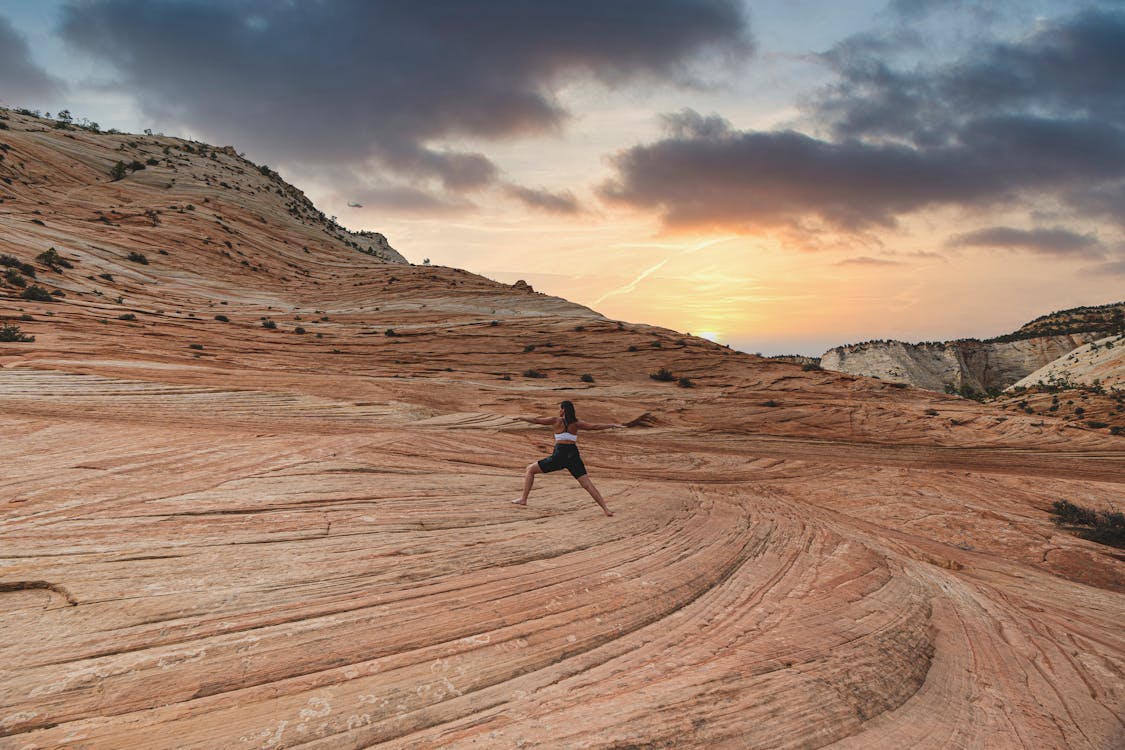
(284, 540)
(969, 365)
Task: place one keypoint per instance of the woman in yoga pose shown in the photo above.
(566, 424)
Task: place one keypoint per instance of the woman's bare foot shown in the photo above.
(609, 512)
(517, 501)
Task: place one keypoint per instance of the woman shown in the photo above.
(566, 455)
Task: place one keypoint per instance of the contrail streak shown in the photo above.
(632, 284)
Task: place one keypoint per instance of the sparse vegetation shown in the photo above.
(197, 347)
(390, 332)
(529, 348)
(685, 382)
(771, 403)
(118, 171)
(534, 374)
(587, 378)
(222, 318)
(138, 258)
(12, 334)
(52, 258)
(810, 367)
(127, 316)
(13, 277)
(270, 324)
(1101, 527)
(10, 261)
(299, 329)
(36, 293)
(664, 375)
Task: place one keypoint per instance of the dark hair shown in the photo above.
(569, 417)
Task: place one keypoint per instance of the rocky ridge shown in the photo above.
(969, 366)
(256, 495)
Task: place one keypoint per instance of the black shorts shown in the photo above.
(565, 457)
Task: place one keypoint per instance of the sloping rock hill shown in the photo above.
(972, 366)
(215, 534)
(1100, 362)
(1085, 387)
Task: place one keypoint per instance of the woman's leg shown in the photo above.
(587, 485)
(528, 480)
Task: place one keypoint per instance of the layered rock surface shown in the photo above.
(976, 366)
(304, 540)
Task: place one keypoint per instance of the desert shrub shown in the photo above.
(25, 268)
(390, 332)
(52, 258)
(664, 375)
(810, 366)
(931, 412)
(136, 166)
(529, 348)
(197, 347)
(127, 316)
(299, 329)
(685, 382)
(118, 171)
(26, 318)
(1115, 430)
(1066, 512)
(106, 276)
(632, 348)
(222, 318)
(138, 258)
(587, 378)
(771, 403)
(580, 328)
(37, 293)
(534, 374)
(656, 344)
(1096, 425)
(152, 161)
(11, 333)
(13, 277)
(1103, 528)
(494, 323)
(270, 324)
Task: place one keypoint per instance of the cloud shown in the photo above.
(339, 81)
(1110, 268)
(1038, 119)
(865, 260)
(410, 200)
(21, 80)
(1059, 242)
(545, 200)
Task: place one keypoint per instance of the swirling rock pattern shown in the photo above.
(280, 540)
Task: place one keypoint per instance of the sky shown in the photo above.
(780, 176)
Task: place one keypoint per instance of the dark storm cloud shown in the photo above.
(1057, 241)
(22, 82)
(1043, 117)
(544, 200)
(337, 81)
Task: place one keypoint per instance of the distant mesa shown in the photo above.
(974, 366)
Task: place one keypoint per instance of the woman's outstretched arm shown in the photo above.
(537, 420)
(595, 426)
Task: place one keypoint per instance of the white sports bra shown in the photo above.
(566, 436)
